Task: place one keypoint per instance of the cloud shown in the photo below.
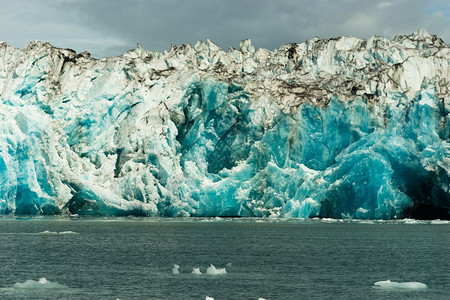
(384, 5)
(23, 21)
(109, 27)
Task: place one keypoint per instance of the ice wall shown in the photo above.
(341, 128)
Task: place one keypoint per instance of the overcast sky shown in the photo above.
(110, 27)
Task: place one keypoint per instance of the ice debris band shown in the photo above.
(339, 128)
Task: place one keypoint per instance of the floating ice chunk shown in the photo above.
(196, 271)
(228, 265)
(43, 283)
(209, 298)
(55, 232)
(366, 222)
(329, 220)
(175, 269)
(439, 222)
(212, 270)
(392, 285)
(412, 221)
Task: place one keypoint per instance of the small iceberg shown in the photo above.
(42, 283)
(439, 222)
(196, 271)
(212, 270)
(392, 285)
(175, 269)
(55, 232)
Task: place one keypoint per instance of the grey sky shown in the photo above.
(110, 27)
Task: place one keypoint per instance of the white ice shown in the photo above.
(55, 232)
(42, 283)
(392, 285)
(196, 271)
(154, 133)
(212, 270)
(175, 269)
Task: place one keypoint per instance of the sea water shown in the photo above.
(75, 258)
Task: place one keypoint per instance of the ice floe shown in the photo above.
(196, 271)
(56, 232)
(176, 269)
(42, 283)
(212, 270)
(392, 285)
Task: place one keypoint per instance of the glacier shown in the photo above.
(338, 128)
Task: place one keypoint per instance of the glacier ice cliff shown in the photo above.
(340, 128)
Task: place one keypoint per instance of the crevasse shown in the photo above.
(340, 128)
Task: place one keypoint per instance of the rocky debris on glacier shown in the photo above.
(340, 128)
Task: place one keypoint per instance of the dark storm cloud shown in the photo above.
(108, 27)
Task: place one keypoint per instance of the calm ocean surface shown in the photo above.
(133, 259)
